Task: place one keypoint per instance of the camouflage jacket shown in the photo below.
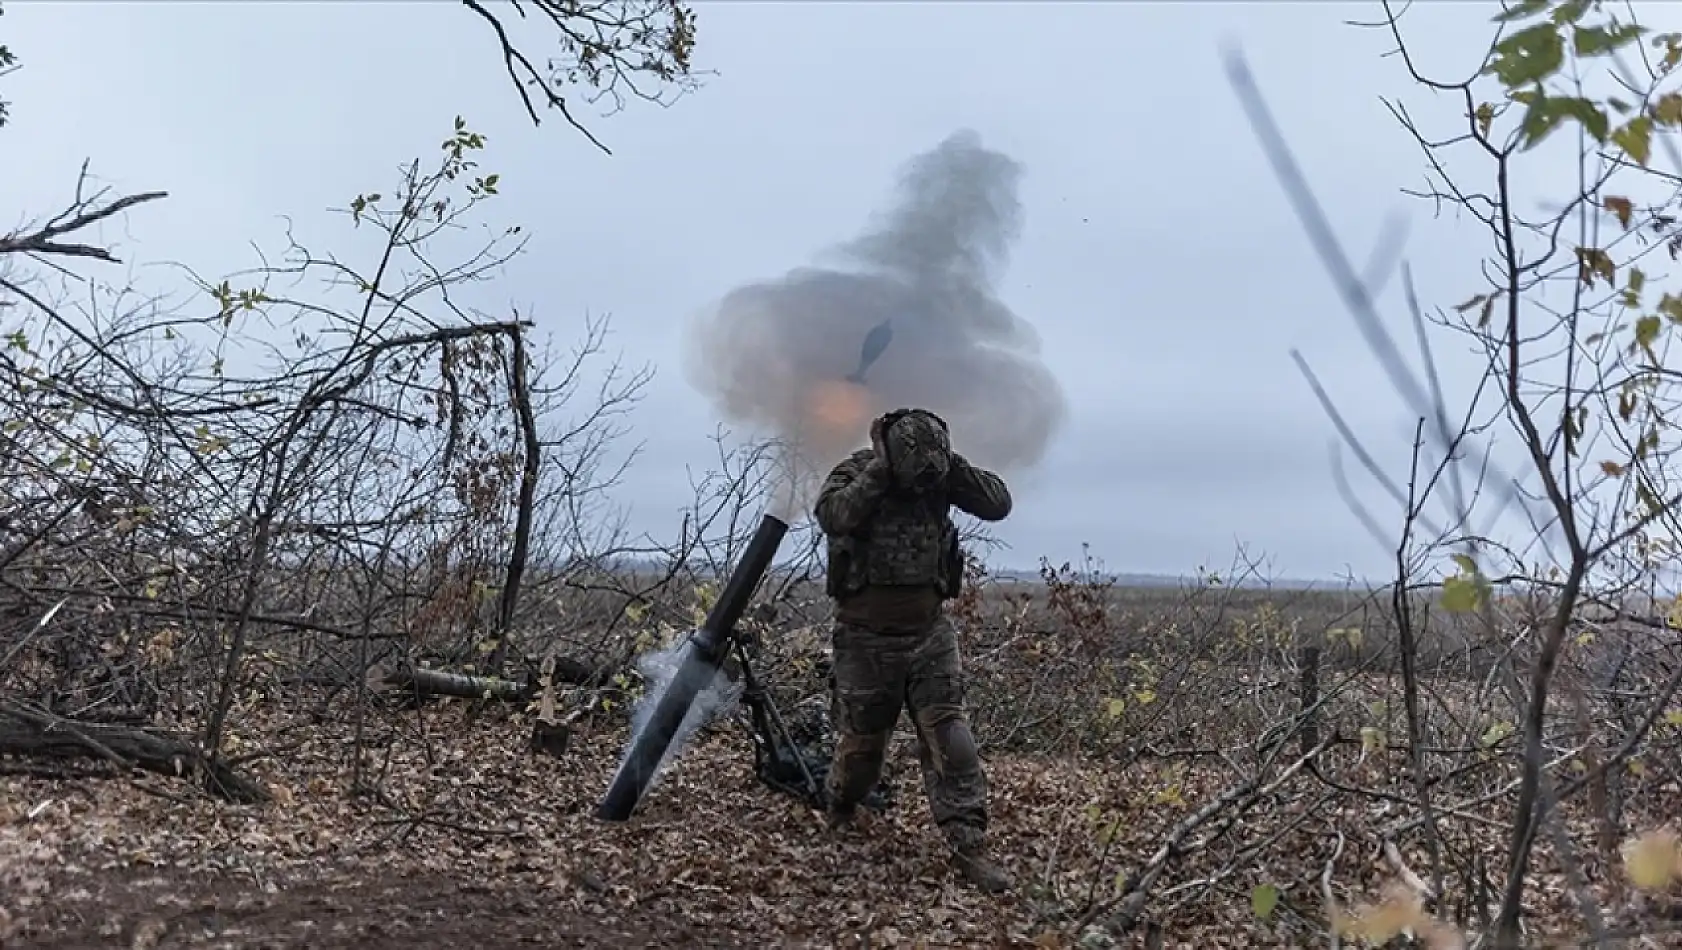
(882, 537)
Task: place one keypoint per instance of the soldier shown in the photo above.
(893, 562)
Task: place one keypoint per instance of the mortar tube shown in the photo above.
(703, 653)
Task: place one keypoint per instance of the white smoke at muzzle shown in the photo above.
(716, 701)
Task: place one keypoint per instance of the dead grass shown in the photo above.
(1108, 721)
(471, 827)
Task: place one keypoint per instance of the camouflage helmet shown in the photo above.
(919, 447)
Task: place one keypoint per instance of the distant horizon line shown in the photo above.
(1032, 575)
(1161, 579)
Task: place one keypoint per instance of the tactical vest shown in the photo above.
(910, 541)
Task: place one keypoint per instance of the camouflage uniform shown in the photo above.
(893, 560)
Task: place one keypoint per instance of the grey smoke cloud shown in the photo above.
(775, 355)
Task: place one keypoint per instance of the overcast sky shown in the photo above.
(1160, 262)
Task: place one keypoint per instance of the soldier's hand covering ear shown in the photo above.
(879, 440)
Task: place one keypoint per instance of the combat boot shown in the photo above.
(979, 870)
(840, 818)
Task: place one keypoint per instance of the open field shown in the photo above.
(1147, 769)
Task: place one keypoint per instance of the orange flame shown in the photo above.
(838, 411)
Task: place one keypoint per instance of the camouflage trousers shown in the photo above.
(876, 675)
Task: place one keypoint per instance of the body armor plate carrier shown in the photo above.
(910, 541)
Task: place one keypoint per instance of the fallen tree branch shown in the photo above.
(428, 682)
(29, 731)
(1129, 904)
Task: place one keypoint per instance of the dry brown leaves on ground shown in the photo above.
(473, 841)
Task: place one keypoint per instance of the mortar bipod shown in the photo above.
(777, 760)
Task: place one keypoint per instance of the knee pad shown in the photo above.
(954, 746)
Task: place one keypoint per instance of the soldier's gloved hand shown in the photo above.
(879, 443)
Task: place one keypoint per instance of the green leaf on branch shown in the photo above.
(1461, 594)
(1520, 10)
(1634, 281)
(1672, 43)
(1547, 112)
(1465, 563)
(1636, 138)
(1592, 116)
(1601, 40)
(1496, 732)
(1528, 56)
(1668, 109)
(1570, 11)
(1646, 331)
(1485, 115)
(1671, 306)
(1263, 900)
(1648, 444)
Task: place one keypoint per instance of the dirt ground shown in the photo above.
(389, 910)
(474, 841)
(148, 909)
